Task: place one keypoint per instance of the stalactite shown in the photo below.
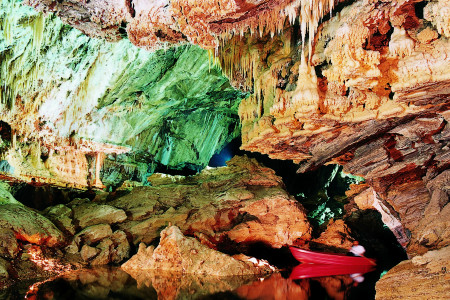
(400, 44)
(306, 96)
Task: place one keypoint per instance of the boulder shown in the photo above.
(244, 202)
(423, 277)
(92, 234)
(121, 248)
(88, 252)
(337, 235)
(87, 214)
(177, 253)
(29, 225)
(104, 257)
(61, 216)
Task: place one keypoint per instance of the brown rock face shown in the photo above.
(244, 203)
(27, 225)
(152, 24)
(180, 254)
(364, 98)
(337, 235)
(423, 277)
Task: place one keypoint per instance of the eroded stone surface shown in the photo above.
(337, 235)
(244, 202)
(180, 254)
(423, 277)
(30, 226)
(88, 214)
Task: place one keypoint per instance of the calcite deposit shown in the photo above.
(84, 112)
(372, 95)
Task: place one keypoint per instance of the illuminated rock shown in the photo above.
(30, 226)
(4, 266)
(93, 234)
(337, 235)
(377, 105)
(61, 216)
(88, 214)
(9, 246)
(243, 202)
(77, 105)
(180, 254)
(422, 277)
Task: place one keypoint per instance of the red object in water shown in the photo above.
(312, 257)
(317, 270)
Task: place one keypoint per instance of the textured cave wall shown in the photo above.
(71, 101)
(371, 94)
(367, 87)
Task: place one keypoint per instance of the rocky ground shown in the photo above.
(227, 208)
(179, 225)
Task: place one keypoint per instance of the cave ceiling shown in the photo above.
(163, 80)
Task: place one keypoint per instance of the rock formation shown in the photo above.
(363, 84)
(179, 254)
(423, 277)
(79, 108)
(372, 97)
(243, 203)
(227, 208)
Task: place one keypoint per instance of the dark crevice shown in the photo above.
(418, 8)
(130, 6)
(5, 131)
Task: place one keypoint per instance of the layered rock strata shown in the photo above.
(423, 277)
(372, 96)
